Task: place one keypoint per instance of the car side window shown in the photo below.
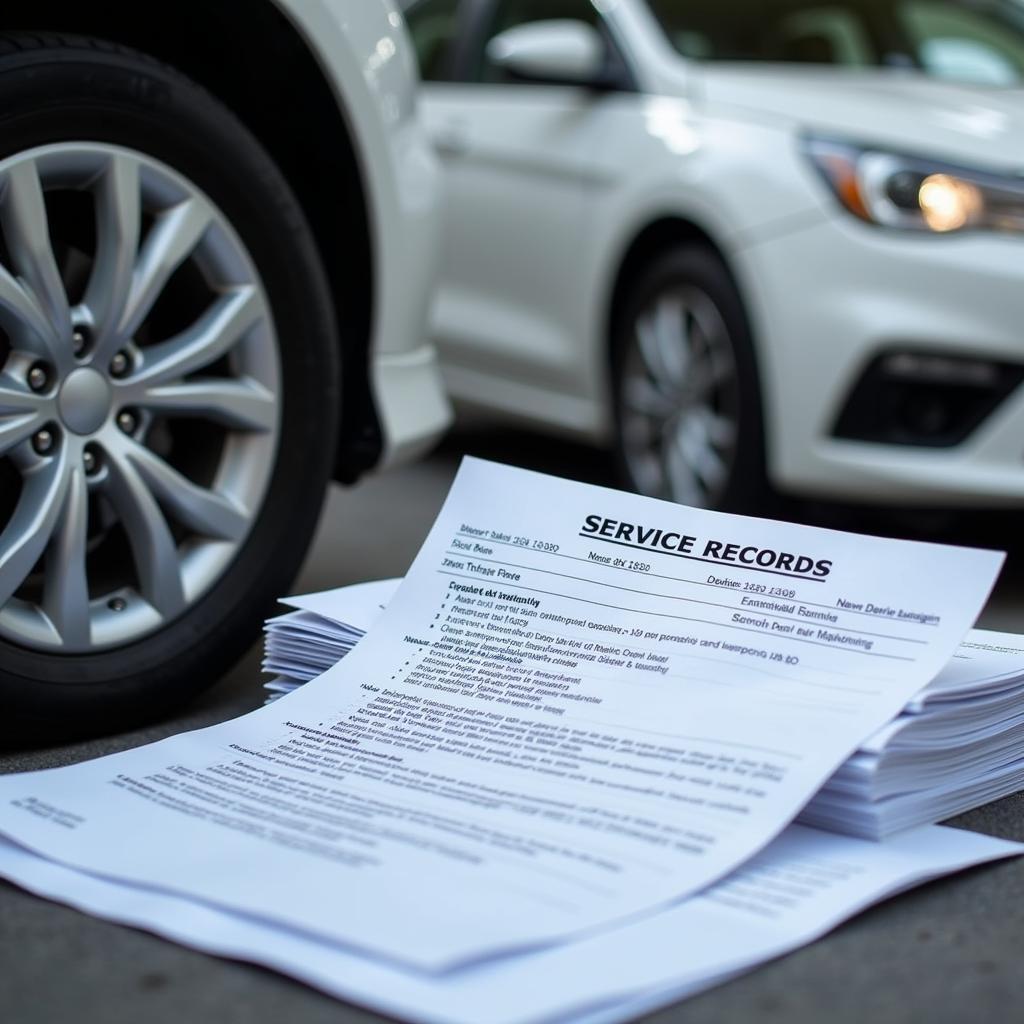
(965, 45)
(823, 35)
(788, 32)
(434, 27)
(512, 13)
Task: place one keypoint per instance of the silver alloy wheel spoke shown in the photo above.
(679, 475)
(27, 233)
(649, 475)
(240, 405)
(722, 364)
(170, 241)
(660, 349)
(18, 429)
(21, 416)
(672, 327)
(23, 319)
(719, 430)
(66, 587)
(647, 347)
(14, 400)
(118, 221)
(201, 510)
(700, 453)
(153, 549)
(641, 396)
(212, 336)
(30, 528)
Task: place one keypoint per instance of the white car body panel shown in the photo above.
(956, 122)
(538, 150)
(366, 58)
(548, 187)
(962, 295)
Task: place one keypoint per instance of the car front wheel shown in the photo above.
(687, 405)
(167, 386)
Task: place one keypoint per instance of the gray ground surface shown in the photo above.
(948, 952)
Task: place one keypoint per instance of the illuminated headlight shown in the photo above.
(918, 194)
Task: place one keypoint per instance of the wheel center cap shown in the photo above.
(84, 401)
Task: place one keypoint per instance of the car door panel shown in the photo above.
(522, 162)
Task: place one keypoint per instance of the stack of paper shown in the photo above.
(302, 644)
(956, 745)
(553, 781)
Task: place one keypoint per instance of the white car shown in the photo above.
(217, 230)
(743, 243)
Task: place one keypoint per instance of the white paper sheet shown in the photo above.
(358, 604)
(986, 661)
(302, 644)
(580, 704)
(802, 886)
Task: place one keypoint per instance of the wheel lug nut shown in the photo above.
(127, 421)
(38, 378)
(79, 340)
(90, 461)
(43, 442)
(119, 364)
(117, 604)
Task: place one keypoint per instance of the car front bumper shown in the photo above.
(827, 299)
(411, 403)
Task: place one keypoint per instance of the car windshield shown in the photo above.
(979, 41)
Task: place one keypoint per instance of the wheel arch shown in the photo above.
(271, 74)
(654, 238)
(657, 236)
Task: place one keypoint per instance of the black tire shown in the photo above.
(690, 274)
(61, 89)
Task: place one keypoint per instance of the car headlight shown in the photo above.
(916, 193)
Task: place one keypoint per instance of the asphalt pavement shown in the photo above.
(948, 952)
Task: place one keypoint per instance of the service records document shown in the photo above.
(580, 705)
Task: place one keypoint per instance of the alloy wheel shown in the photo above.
(139, 396)
(679, 399)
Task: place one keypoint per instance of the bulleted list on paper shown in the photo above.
(579, 704)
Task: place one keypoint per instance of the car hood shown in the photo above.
(908, 111)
